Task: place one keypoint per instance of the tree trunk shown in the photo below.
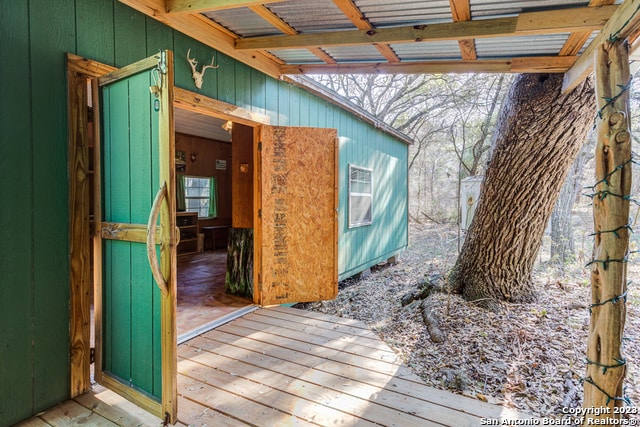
(538, 135)
(239, 277)
(603, 384)
(562, 241)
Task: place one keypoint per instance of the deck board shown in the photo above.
(288, 367)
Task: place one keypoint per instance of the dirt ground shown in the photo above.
(525, 356)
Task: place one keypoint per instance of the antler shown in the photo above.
(198, 75)
(192, 62)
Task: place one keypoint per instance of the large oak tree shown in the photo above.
(538, 135)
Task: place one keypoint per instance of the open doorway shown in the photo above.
(204, 200)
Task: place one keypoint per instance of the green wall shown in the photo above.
(34, 289)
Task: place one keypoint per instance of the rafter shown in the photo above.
(461, 11)
(356, 16)
(625, 22)
(532, 23)
(275, 20)
(576, 40)
(195, 6)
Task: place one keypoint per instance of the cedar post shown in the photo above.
(606, 367)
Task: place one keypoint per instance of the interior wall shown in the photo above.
(242, 172)
(209, 156)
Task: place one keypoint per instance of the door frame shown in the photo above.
(83, 235)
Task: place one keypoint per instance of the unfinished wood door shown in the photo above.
(297, 237)
(135, 256)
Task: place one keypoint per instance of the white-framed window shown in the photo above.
(360, 196)
(198, 195)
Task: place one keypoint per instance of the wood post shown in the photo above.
(606, 367)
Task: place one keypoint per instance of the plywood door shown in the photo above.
(137, 342)
(297, 233)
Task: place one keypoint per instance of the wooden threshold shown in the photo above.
(283, 366)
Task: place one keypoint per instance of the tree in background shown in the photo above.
(450, 118)
(538, 135)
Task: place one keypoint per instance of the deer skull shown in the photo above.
(198, 75)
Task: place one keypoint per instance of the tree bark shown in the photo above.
(239, 277)
(606, 366)
(538, 135)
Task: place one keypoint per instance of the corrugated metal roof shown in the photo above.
(308, 16)
(506, 47)
(243, 22)
(435, 51)
(403, 12)
(399, 33)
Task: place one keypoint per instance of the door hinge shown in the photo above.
(260, 146)
(92, 355)
(259, 213)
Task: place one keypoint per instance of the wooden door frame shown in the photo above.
(79, 71)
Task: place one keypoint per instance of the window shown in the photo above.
(200, 196)
(360, 196)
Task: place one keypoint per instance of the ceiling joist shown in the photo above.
(540, 64)
(532, 23)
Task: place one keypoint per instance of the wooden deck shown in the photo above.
(287, 367)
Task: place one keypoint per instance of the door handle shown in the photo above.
(151, 240)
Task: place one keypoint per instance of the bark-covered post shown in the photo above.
(605, 363)
(239, 276)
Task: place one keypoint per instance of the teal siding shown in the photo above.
(34, 296)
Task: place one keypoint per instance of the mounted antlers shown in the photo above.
(198, 75)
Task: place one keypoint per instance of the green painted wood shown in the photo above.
(258, 91)
(16, 253)
(130, 35)
(226, 79)
(243, 86)
(52, 29)
(159, 37)
(131, 310)
(95, 39)
(36, 34)
(142, 196)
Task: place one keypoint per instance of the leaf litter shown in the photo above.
(530, 357)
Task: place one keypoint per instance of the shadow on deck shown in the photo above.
(280, 366)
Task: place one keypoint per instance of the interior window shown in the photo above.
(200, 196)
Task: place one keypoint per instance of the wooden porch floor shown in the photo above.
(286, 367)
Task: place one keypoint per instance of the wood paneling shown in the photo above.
(51, 31)
(16, 219)
(242, 170)
(208, 152)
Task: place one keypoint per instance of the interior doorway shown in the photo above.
(204, 159)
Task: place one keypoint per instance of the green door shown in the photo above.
(135, 253)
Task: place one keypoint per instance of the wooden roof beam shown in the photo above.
(356, 16)
(275, 20)
(624, 23)
(576, 40)
(461, 11)
(542, 64)
(531, 23)
(197, 6)
(205, 31)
